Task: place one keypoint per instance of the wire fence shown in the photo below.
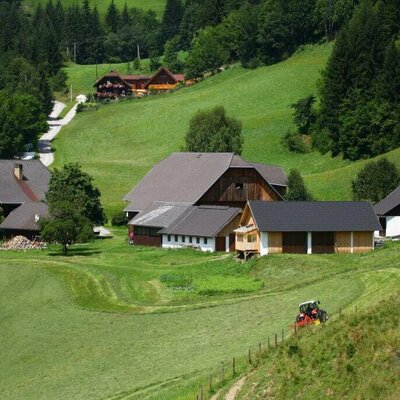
(230, 370)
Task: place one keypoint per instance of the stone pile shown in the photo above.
(22, 243)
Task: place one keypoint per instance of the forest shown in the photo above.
(358, 99)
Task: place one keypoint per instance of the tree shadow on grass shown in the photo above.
(75, 251)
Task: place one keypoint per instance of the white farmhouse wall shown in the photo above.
(392, 226)
(263, 243)
(172, 244)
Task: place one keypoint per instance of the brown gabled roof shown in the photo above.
(112, 74)
(167, 71)
(26, 217)
(388, 203)
(182, 178)
(33, 187)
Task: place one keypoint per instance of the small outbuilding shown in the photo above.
(388, 212)
(306, 227)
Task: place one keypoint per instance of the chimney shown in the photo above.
(37, 217)
(18, 171)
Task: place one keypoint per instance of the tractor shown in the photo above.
(310, 314)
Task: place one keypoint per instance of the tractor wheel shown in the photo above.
(323, 316)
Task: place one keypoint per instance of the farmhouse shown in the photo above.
(23, 185)
(196, 198)
(388, 211)
(113, 85)
(306, 227)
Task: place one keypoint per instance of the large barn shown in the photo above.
(184, 184)
(303, 227)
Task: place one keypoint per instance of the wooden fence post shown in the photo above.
(222, 372)
(233, 366)
(201, 392)
(276, 340)
(283, 335)
(269, 344)
(210, 383)
(249, 356)
(340, 311)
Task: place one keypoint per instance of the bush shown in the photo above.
(376, 180)
(119, 219)
(294, 142)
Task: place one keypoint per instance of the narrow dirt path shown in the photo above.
(233, 391)
(55, 125)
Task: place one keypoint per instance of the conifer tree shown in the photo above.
(171, 21)
(112, 17)
(297, 190)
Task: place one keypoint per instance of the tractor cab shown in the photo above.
(310, 313)
(309, 306)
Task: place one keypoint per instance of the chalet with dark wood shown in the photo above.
(22, 184)
(113, 85)
(388, 212)
(186, 180)
(306, 227)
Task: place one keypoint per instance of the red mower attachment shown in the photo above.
(310, 314)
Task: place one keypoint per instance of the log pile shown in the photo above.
(22, 243)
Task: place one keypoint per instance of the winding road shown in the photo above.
(55, 125)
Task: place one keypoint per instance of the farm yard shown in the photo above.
(113, 321)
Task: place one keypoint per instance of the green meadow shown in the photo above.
(112, 321)
(155, 5)
(119, 143)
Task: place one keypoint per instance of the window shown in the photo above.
(176, 238)
(146, 231)
(190, 239)
(239, 185)
(183, 239)
(198, 240)
(205, 240)
(240, 238)
(251, 238)
(169, 238)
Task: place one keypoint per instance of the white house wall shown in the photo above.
(263, 243)
(180, 244)
(392, 226)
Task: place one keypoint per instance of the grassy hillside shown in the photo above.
(155, 5)
(354, 357)
(120, 142)
(114, 321)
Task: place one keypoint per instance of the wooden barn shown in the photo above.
(198, 180)
(113, 85)
(306, 228)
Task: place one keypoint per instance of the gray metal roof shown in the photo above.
(314, 216)
(271, 173)
(159, 215)
(24, 216)
(388, 203)
(206, 221)
(186, 177)
(33, 187)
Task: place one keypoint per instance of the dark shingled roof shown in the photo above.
(388, 203)
(186, 177)
(206, 221)
(33, 187)
(23, 217)
(314, 216)
(159, 215)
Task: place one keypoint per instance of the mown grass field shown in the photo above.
(155, 5)
(104, 323)
(120, 142)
